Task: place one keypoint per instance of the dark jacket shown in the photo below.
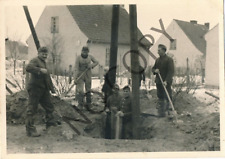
(166, 67)
(126, 108)
(38, 79)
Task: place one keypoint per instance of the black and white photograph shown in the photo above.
(106, 80)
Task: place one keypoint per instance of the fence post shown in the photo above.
(188, 72)
(70, 74)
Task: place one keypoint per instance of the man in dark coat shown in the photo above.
(165, 66)
(39, 87)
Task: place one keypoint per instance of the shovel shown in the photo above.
(118, 126)
(81, 75)
(171, 104)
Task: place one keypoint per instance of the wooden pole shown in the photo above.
(33, 32)
(134, 67)
(114, 44)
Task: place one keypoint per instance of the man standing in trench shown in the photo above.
(82, 76)
(164, 66)
(38, 88)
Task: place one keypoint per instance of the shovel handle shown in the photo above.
(117, 134)
(167, 94)
(77, 80)
(82, 74)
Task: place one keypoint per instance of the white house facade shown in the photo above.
(188, 43)
(66, 29)
(212, 57)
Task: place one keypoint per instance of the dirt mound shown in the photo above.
(16, 105)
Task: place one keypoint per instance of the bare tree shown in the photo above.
(13, 49)
(200, 65)
(55, 45)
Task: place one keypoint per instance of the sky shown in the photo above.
(148, 15)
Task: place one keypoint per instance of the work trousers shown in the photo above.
(38, 95)
(113, 124)
(163, 101)
(83, 81)
(127, 129)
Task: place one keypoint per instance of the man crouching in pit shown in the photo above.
(114, 105)
(126, 113)
(121, 113)
(38, 88)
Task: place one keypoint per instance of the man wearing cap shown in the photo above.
(114, 105)
(82, 76)
(39, 87)
(165, 66)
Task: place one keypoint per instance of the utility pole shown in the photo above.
(33, 32)
(134, 71)
(114, 44)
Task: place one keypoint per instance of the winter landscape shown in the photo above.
(65, 29)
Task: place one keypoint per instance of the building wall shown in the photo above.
(212, 57)
(70, 38)
(99, 52)
(184, 49)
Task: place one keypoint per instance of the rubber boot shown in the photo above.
(31, 130)
(169, 110)
(162, 107)
(80, 99)
(50, 121)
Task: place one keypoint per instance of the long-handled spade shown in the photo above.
(171, 104)
(78, 78)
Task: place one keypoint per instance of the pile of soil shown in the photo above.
(16, 105)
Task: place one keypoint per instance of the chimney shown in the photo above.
(122, 5)
(193, 21)
(207, 25)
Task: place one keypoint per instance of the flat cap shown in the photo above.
(43, 49)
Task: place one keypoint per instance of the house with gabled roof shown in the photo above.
(188, 43)
(66, 29)
(212, 57)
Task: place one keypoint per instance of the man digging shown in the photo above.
(163, 66)
(84, 64)
(38, 88)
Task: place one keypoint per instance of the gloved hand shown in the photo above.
(119, 113)
(157, 70)
(43, 70)
(165, 83)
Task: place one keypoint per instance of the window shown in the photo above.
(54, 24)
(107, 56)
(173, 44)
